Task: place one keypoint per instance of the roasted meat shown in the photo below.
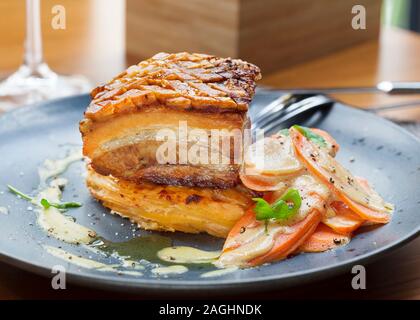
(172, 208)
(171, 92)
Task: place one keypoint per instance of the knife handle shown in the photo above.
(392, 87)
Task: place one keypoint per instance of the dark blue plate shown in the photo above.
(385, 154)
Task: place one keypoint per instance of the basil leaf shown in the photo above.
(263, 210)
(279, 210)
(293, 196)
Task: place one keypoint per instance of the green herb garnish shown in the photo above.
(283, 209)
(44, 202)
(64, 205)
(309, 134)
(19, 193)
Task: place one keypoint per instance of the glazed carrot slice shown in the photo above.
(328, 138)
(268, 171)
(247, 221)
(323, 239)
(311, 156)
(345, 221)
(364, 183)
(260, 182)
(285, 244)
(250, 244)
(364, 212)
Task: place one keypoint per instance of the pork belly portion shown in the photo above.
(172, 208)
(127, 147)
(202, 92)
(179, 81)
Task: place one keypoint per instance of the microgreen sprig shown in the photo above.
(283, 209)
(44, 202)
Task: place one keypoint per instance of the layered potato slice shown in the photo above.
(205, 92)
(172, 208)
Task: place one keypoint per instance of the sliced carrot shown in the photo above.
(364, 212)
(283, 243)
(246, 221)
(259, 182)
(323, 239)
(364, 183)
(287, 243)
(327, 138)
(304, 149)
(345, 220)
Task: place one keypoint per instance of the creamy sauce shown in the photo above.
(125, 262)
(76, 260)
(175, 269)
(52, 220)
(56, 223)
(4, 210)
(87, 263)
(135, 254)
(53, 168)
(255, 242)
(183, 254)
(218, 273)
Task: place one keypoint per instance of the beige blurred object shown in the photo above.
(272, 34)
(393, 56)
(93, 43)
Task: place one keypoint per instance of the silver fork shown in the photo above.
(286, 108)
(289, 106)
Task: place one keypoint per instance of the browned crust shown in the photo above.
(192, 176)
(191, 82)
(178, 175)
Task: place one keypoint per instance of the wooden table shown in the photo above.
(397, 276)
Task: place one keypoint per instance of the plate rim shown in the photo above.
(130, 284)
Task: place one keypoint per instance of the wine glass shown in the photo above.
(34, 81)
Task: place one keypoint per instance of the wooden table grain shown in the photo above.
(395, 276)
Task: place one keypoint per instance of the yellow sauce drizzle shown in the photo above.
(55, 223)
(87, 263)
(175, 269)
(218, 273)
(183, 254)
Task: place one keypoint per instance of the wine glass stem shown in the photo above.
(33, 56)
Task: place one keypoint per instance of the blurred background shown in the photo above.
(103, 36)
(297, 43)
(92, 43)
